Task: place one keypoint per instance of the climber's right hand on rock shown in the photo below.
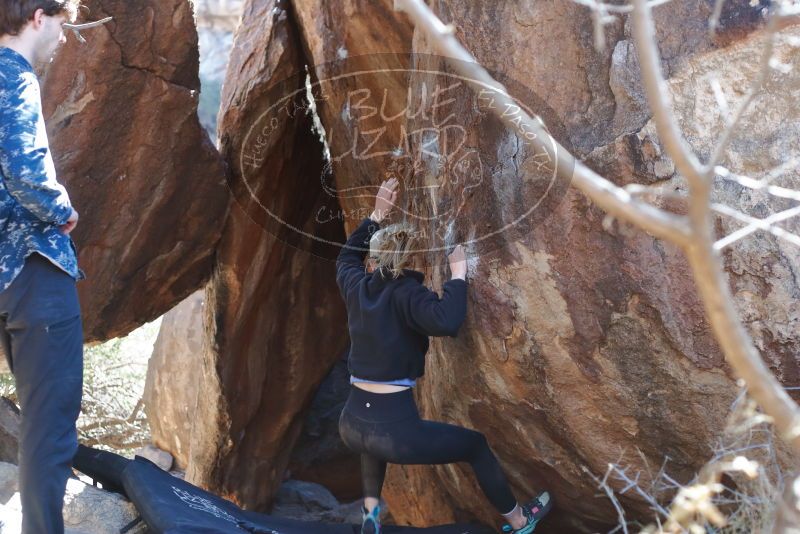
(385, 199)
(458, 262)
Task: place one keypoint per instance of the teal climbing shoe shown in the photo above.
(533, 511)
(371, 522)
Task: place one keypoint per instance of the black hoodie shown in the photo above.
(390, 319)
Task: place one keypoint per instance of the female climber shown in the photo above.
(390, 315)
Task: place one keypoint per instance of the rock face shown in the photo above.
(312, 502)
(161, 458)
(174, 378)
(275, 321)
(122, 118)
(375, 40)
(171, 395)
(581, 344)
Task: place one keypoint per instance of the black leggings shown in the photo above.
(386, 428)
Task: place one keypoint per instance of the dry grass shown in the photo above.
(735, 492)
(112, 415)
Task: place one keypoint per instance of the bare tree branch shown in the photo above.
(616, 8)
(695, 235)
(76, 28)
(763, 184)
(658, 96)
(658, 192)
(703, 257)
(755, 88)
(754, 224)
(603, 484)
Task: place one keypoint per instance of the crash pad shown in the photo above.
(170, 505)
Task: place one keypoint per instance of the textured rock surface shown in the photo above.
(174, 378)
(150, 188)
(274, 318)
(763, 270)
(581, 344)
(312, 502)
(372, 30)
(160, 457)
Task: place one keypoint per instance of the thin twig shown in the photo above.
(762, 184)
(755, 88)
(135, 412)
(616, 8)
(603, 484)
(753, 225)
(86, 25)
(76, 28)
(704, 259)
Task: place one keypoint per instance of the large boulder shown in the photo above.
(274, 318)
(121, 112)
(583, 344)
(173, 385)
(376, 42)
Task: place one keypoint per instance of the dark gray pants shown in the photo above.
(42, 335)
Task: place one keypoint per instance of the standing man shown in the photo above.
(40, 318)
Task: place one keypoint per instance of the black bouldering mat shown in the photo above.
(170, 505)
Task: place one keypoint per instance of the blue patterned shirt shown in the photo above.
(32, 203)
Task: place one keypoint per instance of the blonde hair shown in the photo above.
(391, 247)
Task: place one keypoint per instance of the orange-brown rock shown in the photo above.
(376, 42)
(582, 344)
(174, 379)
(275, 320)
(149, 185)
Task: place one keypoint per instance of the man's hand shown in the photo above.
(385, 199)
(458, 263)
(72, 222)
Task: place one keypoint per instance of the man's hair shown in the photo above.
(15, 14)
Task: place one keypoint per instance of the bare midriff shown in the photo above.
(379, 388)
